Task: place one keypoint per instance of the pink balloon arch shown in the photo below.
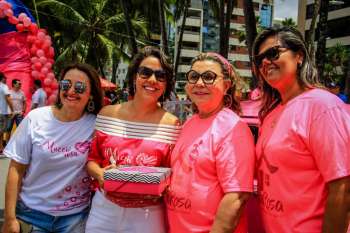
(41, 52)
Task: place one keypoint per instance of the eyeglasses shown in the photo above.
(271, 54)
(208, 77)
(146, 73)
(66, 84)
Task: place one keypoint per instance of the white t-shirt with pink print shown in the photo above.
(55, 182)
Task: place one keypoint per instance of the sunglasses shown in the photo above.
(66, 84)
(208, 77)
(271, 54)
(146, 73)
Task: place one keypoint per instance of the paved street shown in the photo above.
(3, 174)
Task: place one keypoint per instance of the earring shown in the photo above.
(228, 100)
(91, 105)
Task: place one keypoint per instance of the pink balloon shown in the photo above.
(48, 90)
(20, 27)
(44, 70)
(13, 20)
(51, 75)
(40, 53)
(34, 59)
(7, 5)
(33, 49)
(27, 21)
(48, 65)
(33, 28)
(41, 35)
(43, 60)
(30, 39)
(51, 53)
(47, 82)
(8, 12)
(54, 84)
(21, 16)
(35, 74)
(38, 66)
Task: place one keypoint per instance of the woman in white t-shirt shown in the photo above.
(48, 154)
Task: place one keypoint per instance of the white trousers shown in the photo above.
(107, 217)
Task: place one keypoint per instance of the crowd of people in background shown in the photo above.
(294, 176)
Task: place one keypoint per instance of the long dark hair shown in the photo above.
(150, 51)
(307, 75)
(96, 90)
(229, 74)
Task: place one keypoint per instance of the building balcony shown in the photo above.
(244, 72)
(238, 57)
(189, 52)
(193, 21)
(193, 37)
(184, 68)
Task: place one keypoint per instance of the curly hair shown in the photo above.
(307, 75)
(150, 51)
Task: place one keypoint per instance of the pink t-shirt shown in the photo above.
(303, 145)
(212, 157)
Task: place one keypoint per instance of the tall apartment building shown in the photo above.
(338, 30)
(202, 35)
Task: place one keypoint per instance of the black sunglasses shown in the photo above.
(66, 84)
(208, 77)
(271, 54)
(146, 73)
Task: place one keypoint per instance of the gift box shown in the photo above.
(137, 179)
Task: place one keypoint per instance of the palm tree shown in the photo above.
(84, 31)
(310, 36)
(321, 44)
(289, 22)
(180, 8)
(163, 30)
(250, 25)
(129, 27)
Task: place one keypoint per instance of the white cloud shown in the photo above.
(285, 9)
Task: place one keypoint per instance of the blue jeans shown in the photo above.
(16, 118)
(45, 223)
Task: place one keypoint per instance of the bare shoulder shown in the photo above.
(170, 119)
(110, 110)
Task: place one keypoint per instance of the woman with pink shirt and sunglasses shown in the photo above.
(138, 133)
(213, 160)
(303, 150)
(48, 187)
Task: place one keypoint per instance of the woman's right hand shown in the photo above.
(100, 178)
(11, 226)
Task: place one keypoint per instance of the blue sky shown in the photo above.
(286, 9)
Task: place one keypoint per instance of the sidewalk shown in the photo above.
(4, 162)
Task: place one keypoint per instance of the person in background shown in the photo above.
(19, 105)
(39, 97)
(6, 108)
(213, 160)
(138, 133)
(47, 184)
(303, 153)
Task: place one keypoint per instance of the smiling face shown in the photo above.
(70, 99)
(208, 97)
(148, 87)
(281, 73)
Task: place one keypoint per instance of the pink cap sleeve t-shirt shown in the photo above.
(302, 146)
(212, 157)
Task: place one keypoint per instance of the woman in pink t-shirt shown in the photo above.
(139, 133)
(303, 151)
(213, 160)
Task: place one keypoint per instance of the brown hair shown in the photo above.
(150, 51)
(229, 74)
(96, 90)
(307, 76)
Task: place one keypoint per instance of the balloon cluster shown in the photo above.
(41, 50)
